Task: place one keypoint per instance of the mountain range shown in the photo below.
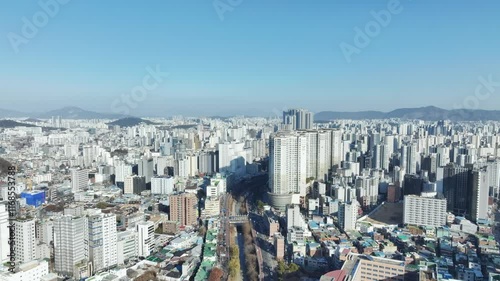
(68, 112)
(429, 113)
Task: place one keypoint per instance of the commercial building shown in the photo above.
(455, 188)
(364, 267)
(34, 198)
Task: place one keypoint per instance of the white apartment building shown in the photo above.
(162, 185)
(288, 163)
(69, 244)
(145, 237)
(348, 215)
(79, 179)
(127, 244)
(294, 218)
(25, 243)
(102, 241)
(424, 211)
(122, 171)
(296, 156)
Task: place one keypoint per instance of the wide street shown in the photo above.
(252, 190)
(266, 246)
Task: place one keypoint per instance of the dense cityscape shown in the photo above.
(249, 198)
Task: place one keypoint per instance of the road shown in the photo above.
(224, 238)
(254, 190)
(269, 263)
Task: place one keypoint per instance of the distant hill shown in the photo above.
(12, 124)
(429, 113)
(69, 112)
(130, 122)
(73, 112)
(34, 120)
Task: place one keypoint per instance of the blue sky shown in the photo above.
(265, 55)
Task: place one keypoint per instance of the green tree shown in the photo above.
(293, 268)
(260, 205)
(281, 269)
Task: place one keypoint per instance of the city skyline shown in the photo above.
(238, 140)
(236, 64)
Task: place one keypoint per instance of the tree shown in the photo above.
(293, 268)
(102, 205)
(202, 231)
(260, 205)
(285, 270)
(281, 268)
(234, 267)
(216, 274)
